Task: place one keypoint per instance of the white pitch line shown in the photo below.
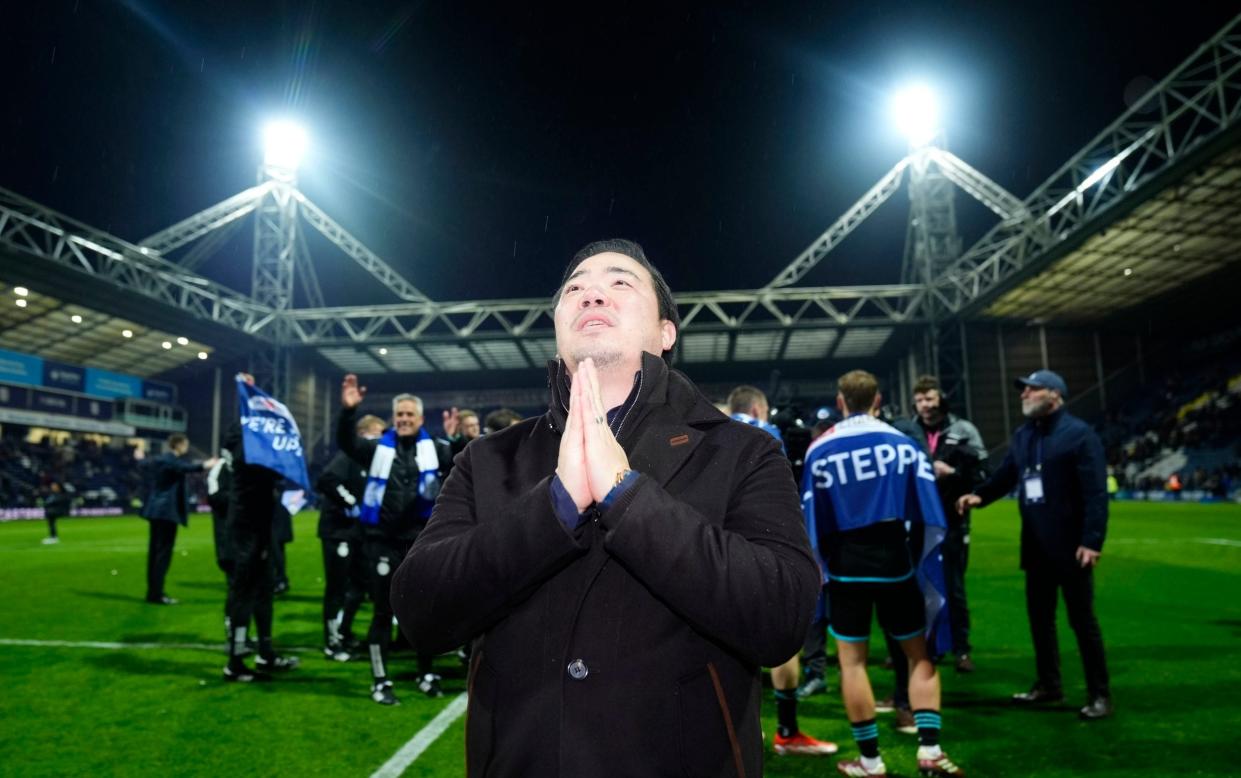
(1165, 541)
(425, 737)
(1219, 541)
(112, 646)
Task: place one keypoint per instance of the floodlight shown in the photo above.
(21, 291)
(383, 352)
(127, 333)
(21, 302)
(183, 341)
(202, 355)
(916, 113)
(166, 345)
(284, 145)
(76, 318)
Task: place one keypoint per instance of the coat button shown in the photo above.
(578, 670)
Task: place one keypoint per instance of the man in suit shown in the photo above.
(165, 510)
(625, 563)
(1057, 461)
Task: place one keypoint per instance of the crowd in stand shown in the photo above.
(1195, 413)
(96, 476)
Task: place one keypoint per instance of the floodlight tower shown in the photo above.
(276, 245)
(932, 241)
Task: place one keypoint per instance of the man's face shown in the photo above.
(406, 418)
(373, 432)
(180, 449)
(927, 405)
(608, 311)
(1037, 401)
(470, 427)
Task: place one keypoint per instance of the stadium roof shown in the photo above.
(1190, 229)
(77, 335)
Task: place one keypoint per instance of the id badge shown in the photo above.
(1033, 488)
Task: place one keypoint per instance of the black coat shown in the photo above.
(398, 515)
(341, 473)
(633, 645)
(1074, 473)
(166, 498)
(252, 502)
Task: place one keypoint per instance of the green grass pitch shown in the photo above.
(1168, 598)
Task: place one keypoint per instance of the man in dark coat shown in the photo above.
(407, 467)
(959, 458)
(341, 485)
(625, 563)
(56, 505)
(1057, 461)
(252, 507)
(165, 510)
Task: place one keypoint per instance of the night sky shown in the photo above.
(476, 146)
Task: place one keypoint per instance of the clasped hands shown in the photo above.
(591, 461)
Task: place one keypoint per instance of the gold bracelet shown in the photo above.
(620, 476)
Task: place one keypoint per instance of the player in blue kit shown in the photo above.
(865, 488)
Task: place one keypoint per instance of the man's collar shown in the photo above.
(651, 386)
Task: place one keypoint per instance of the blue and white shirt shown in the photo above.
(864, 486)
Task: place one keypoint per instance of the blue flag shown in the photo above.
(270, 434)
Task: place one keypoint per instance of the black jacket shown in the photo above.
(1074, 473)
(398, 515)
(960, 446)
(341, 474)
(56, 505)
(252, 504)
(633, 645)
(166, 497)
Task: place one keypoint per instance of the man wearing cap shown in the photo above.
(624, 563)
(1057, 462)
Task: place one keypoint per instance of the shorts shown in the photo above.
(899, 604)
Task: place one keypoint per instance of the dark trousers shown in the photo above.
(383, 555)
(1077, 587)
(344, 581)
(250, 586)
(159, 555)
(956, 550)
(279, 573)
(51, 527)
(814, 648)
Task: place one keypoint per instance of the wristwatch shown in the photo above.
(620, 476)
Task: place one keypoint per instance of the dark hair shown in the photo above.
(501, 418)
(176, 440)
(663, 293)
(926, 383)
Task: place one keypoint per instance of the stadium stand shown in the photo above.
(102, 479)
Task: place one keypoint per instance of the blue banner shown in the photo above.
(270, 434)
(20, 368)
(62, 376)
(158, 391)
(104, 383)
